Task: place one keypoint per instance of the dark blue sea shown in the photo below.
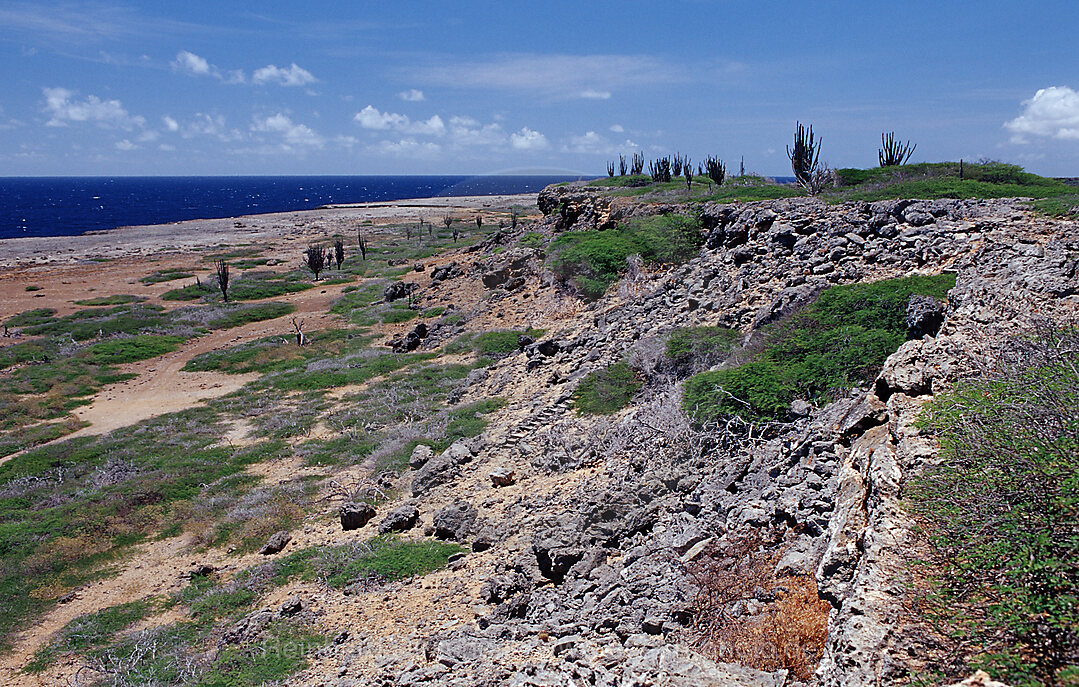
(65, 206)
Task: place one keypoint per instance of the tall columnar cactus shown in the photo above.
(805, 155)
(637, 165)
(610, 169)
(892, 152)
(715, 169)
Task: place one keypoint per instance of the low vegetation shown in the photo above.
(606, 390)
(590, 261)
(1000, 513)
(837, 342)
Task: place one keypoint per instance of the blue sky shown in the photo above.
(417, 87)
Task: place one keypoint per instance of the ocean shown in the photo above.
(67, 206)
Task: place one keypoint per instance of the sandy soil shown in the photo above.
(74, 268)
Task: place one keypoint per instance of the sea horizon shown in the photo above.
(33, 206)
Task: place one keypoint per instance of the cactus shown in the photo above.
(715, 169)
(637, 166)
(660, 170)
(805, 156)
(621, 165)
(610, 169)
(892, 152)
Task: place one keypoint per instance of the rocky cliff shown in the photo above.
(591, 536)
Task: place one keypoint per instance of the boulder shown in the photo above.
(455, 521)
(441, 469)
(925, 314)
(450, 271)
(400, 519)
(355, 515)
(291, 606)
(397, 290)
(275, 543)
(420, 455)
(502, 477)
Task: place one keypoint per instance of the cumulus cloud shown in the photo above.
(205, 125)
(592, 143)
(590, 94)
(1053, 112)
(188, 62)
(293, 134)
(125, 145)
(408, 147)
(618, 128)
(371, 118)
(412, 95)
(170, 123)
(294, 75)
(192, 64)
(528, 139)
(62, 108)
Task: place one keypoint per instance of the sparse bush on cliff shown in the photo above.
(695, 349)
(1000, 511)
(591, 261)
(606, 390)
(838, 341)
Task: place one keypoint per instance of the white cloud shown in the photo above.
(556, 76)
(618, 128)
(293, 135)
(168, 148)
(1052, 112)
(294, 75)
(590, 94)
(209, 125)
(527, 139)
(408, 147)
(412, 95)
(170, 123)
(192, 64)
(465, 131)
(592, 143)
(371, 118)
(125, 145)
(108, 114)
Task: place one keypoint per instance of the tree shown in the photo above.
(315, 259)
(339, 252)
(804, 156)
(222, 269)
(892, 153)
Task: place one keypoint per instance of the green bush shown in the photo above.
(697, 348)
(593, 260)
(838, 341)
(942, 180)
(1001, 512)
(31, 318)
(118, 299)
(135, 348)
(606, 390)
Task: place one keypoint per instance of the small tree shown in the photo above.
(804, 156)
(893, 153)
(297, 329)
(315, 259)
(339, 252)
(222, 269)
(715, 169)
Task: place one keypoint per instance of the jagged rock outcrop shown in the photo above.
(590, 582)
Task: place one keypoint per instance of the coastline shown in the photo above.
(193, 235)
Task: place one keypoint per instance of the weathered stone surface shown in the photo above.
(400, 519)
(455, 521)
(276, 542)
(355, 515)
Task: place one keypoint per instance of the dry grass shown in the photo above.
(745, 614)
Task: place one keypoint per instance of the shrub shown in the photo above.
(606, 390)
(593, 260)
(838, 341)
(1000, 509)
(693, 349)
(132, 349)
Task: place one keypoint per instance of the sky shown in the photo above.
(417, 87)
